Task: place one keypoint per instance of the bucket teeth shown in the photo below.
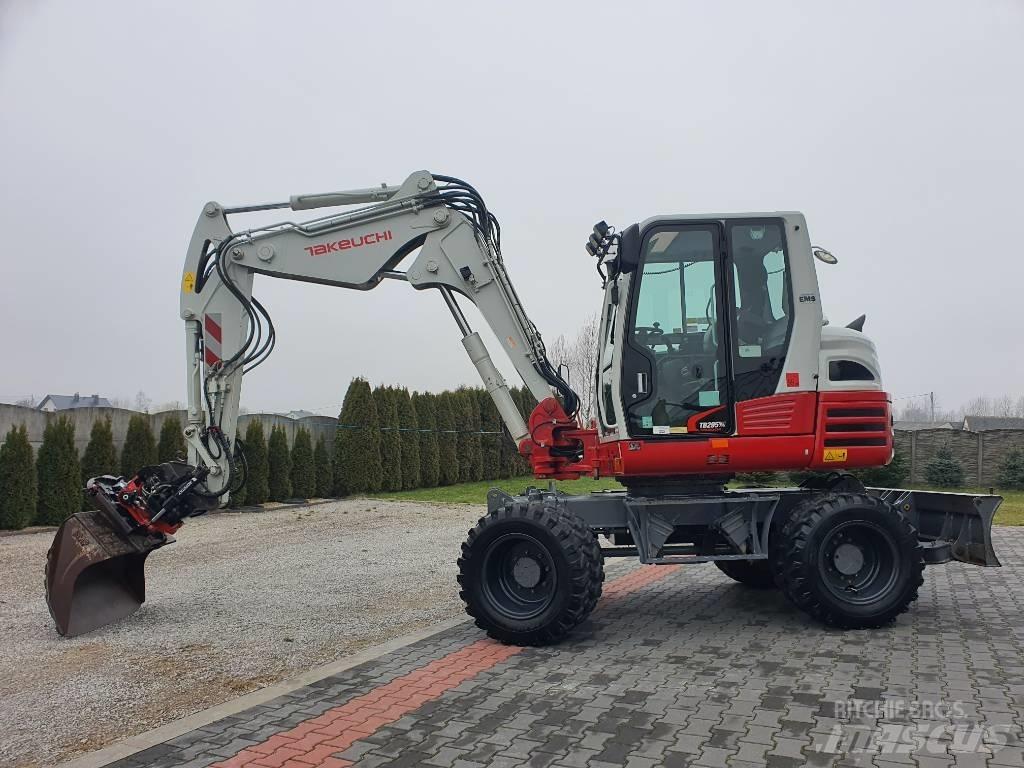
(94, 575)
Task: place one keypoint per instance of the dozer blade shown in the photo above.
(94, 574)
(951, 526)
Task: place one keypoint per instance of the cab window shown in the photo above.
(762, 315)
(677, 327)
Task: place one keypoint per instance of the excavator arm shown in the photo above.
(228, 332)
(95, 567)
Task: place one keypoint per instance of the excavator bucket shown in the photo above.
(94, 572)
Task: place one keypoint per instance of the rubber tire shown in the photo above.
(577, 559)
(797, 569)
(751, 573)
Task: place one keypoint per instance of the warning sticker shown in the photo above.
(662, 430)
(834, 455)
(188, 282)
(646, 422)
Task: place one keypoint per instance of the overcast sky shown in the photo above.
(896, 127)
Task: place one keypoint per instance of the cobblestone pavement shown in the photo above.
(677, 666)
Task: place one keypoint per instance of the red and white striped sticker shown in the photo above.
(212, 338)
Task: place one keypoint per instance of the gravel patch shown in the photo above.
(241, 601)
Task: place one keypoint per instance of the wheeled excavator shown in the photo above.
(714, 360)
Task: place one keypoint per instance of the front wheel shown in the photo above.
(530, 572)
(850, 560)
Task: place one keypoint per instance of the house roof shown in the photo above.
(298, 414)
(986, 423)
(66, 402)
(914, 426)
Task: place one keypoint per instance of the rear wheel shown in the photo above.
(849, 560)
(752, 573)
(530, 572)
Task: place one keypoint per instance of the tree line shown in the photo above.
(46, 488)
(388, 439)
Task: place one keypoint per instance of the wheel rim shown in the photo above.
(519, 577)
(859, 562)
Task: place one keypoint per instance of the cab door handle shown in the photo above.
(641, 383)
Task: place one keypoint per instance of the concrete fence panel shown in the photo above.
(964, 446)
(995, 445)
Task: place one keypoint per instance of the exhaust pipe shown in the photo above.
(94, 569)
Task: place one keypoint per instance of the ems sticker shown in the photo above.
(662, 430)
(834, 455)
(646, 422)
(188, 282)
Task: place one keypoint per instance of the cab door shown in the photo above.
(676, 363)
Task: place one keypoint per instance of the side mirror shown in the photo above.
(629, 249)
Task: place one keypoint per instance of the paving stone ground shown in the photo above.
(678, 666)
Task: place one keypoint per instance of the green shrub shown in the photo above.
(409, 436)
(797, 478)
(303, 468)
(757, 478)
(447, 439)
(324, 470)
(171, 446)
(1011, 470)
(357, 459)
(425, 405)
(100, 457)
(891, 476)
(518, 465)
(467, 421)
(509, 455)
(257, 488)
(18, 482)
(139, 446)
(279, 475)
(944, 470)
(58, 473)
(238, 498)
(390, 439)
(490, 442)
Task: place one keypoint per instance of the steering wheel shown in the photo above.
(649, 330)
(651, 335)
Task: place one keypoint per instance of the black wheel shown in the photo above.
(752, 573)
(530, 572)
(850, 560)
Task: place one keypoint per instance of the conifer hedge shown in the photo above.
(426, 415)
(303, 467)
(58, 473)
(448, 451)
(257, 489)
(279, 463)
(100, 457)
(324, 469)
(409, 437)
(139, 446)
(357, 444)
(171, 446)
(390, 439)
(18, 482)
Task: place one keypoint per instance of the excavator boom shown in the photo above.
(228, 332)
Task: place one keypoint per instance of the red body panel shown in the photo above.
(793, 431)
(790, 414)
